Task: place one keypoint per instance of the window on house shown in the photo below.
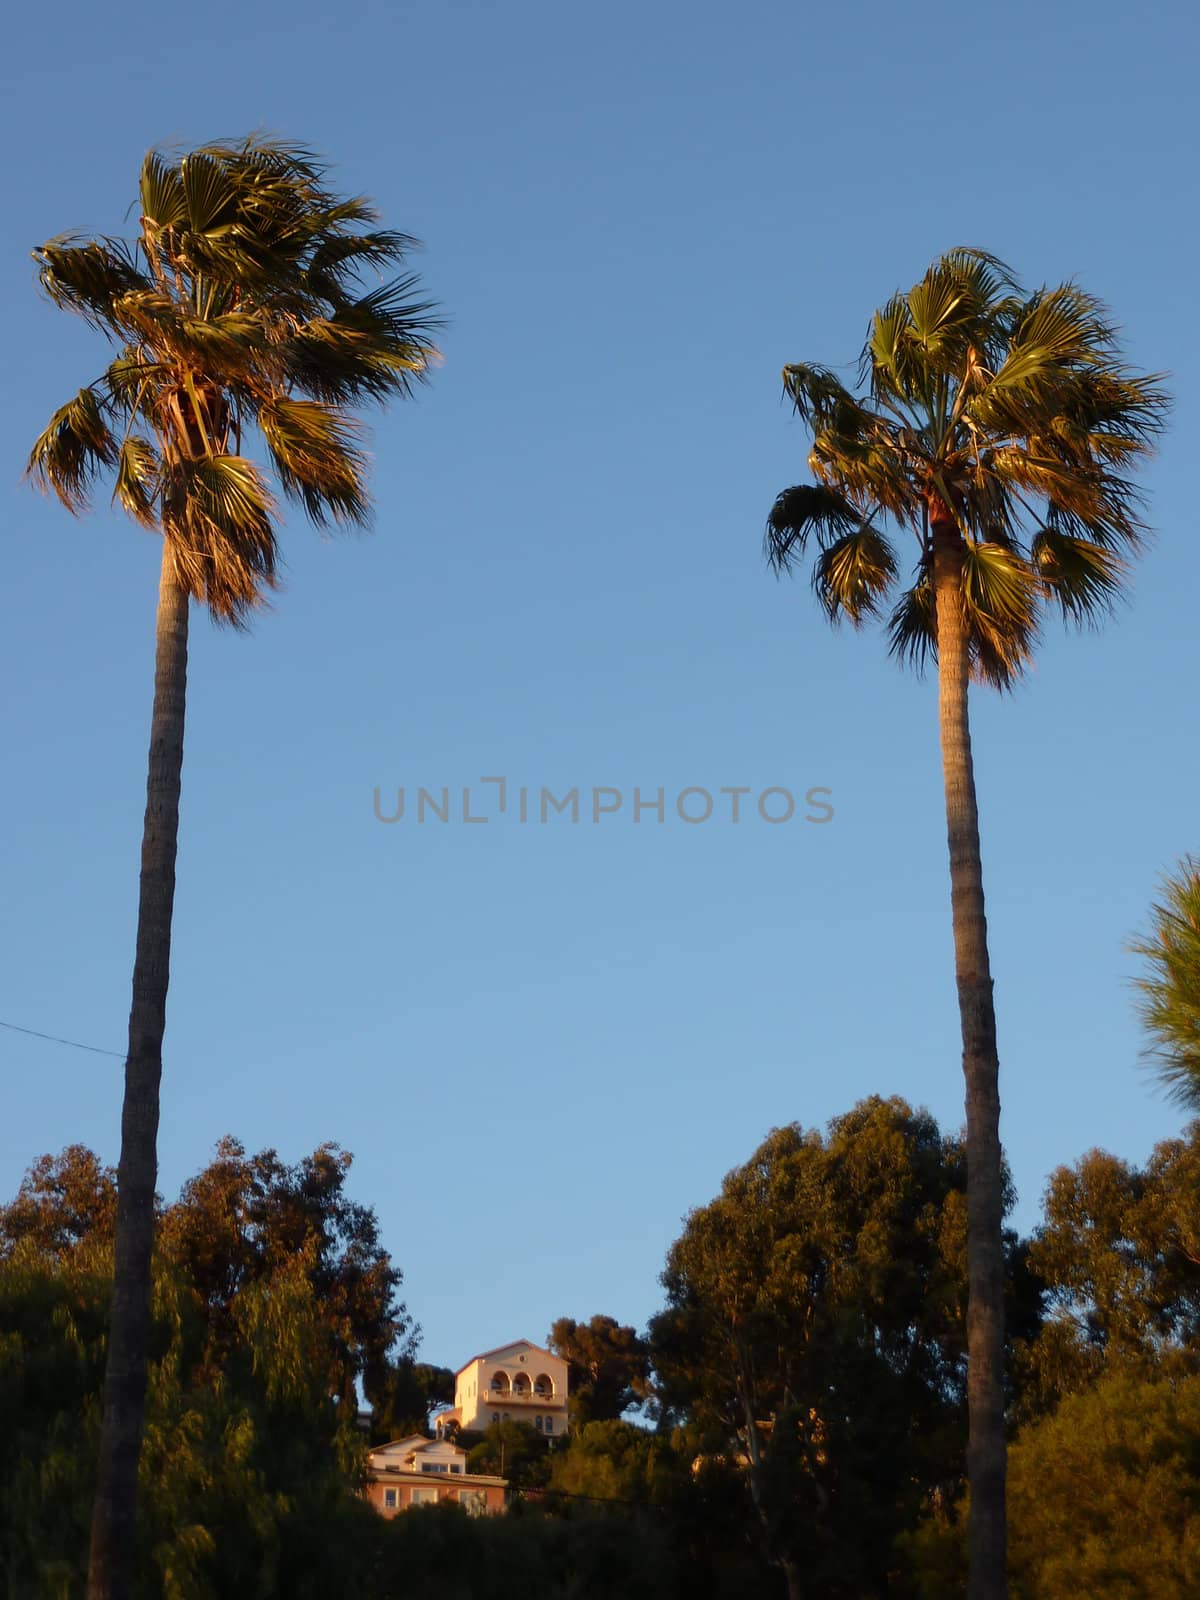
(390, 1499)
(424, 1497)
(454, 1467)
(549, 1424)
(495, 1416)
(537, 1422)
(433, 1466)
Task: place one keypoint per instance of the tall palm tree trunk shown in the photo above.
(111, 1561)
(986, 1536)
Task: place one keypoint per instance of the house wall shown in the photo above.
(477, 1404)
(482, 1498)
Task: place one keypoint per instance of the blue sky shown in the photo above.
(544, 1044)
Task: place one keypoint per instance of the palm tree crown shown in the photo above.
(242, 303)
(1170, 1003)
(1008, 421)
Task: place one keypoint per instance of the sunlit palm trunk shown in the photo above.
(110, 1567)
(985, 1210)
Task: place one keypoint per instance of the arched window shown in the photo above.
(543, 1385)
(521, 1385)
(549, 1424)
(537, 1422)
(500, 1383)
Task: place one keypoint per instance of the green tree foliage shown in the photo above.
(1105, 1494)
(615, 1460)
(511, 1450)
(609, 1367)
(247, 1222)
(404, 1395)
(1118, 1256)
(1104, 1499)
(272, 1298)
(64, 1201)
(1170, 989)
(814, 1331)
(579, 1553)
(55, 1278)
(699, 1503)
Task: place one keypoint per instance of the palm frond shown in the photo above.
(912, 627)
(127, 375)
(991, 283)
(999, 599)
(164, 202)
(374, 347)
(210, 195)
(71, 451)
(1058, 333)
(803, 510)
(1085, 578)
(819, 396)
(231, 342)
(89, 279)
(1112, 403)
(217, 517)
(866, 468)
(136, 485)
(316, 454)
(956, 315)
(890, 357)
(260, 153)
(337, 263)
(1101, 504)
(395, 316)
(357, 208)
(1170, 992)
(852, 575)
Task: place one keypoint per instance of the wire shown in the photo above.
(54, 1038)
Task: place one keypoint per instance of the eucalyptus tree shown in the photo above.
(997, 430)
(1170, 988)
(251, 300)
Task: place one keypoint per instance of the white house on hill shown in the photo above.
(517, 1382)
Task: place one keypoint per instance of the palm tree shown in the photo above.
(997, 428)
(1170, 1003)
(242, 303)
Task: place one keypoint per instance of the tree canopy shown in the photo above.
(1170, 986)
(252, 297)
(814, 1330)
(609, 1367)
(1010, 418)
(273, 1298)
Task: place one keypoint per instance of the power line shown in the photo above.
(54, 1038)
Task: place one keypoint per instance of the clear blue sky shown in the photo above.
(544, 1044)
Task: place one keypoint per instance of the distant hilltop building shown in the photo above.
(517, 1382)
(418, 1471)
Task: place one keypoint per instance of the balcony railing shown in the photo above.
(519, 1397)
